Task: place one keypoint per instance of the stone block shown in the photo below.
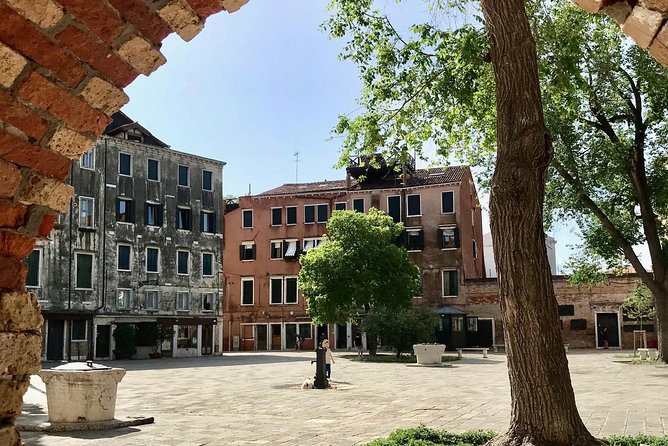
(9, 436)
(656, 5)
(22, 153)
(205, 8)
(102, 20)
(44, 13)
(591, 6)
(10, 177)
(23, 118)
(11, 65)
(11, 396)
(27, 39)
(233, 5)
(69, 143)
(61, 104)
(659, 47)
(642, 25)
(12, 214)
(141, 55)
(12, 275)
(19, 311)
(20, 354)
(182, 19)
(104, 96)
(46, 225)
(44, 191)
(618, 11)
(149, 24)
(15, 245)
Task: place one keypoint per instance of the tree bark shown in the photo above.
(661, 305)
(543, 402)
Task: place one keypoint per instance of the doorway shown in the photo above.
(207, 339)
(102, 343)
(486, 333)
(341, 336)
(275, 336)
(611, 322)
(290, 336)
(55, 340)
(261, 337)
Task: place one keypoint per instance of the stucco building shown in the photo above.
(141, 244)
(266, 233)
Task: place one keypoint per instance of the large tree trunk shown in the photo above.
(661, 305)
(543, 403)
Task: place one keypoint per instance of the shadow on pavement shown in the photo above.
(40, 438)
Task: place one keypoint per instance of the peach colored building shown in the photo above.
(266, 233)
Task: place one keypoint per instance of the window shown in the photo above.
(358, 205)
(187, 336)
(207, 264)
(413, 206)
(34, 266)
(123, 299)
(323, 212)
(152, 260)
(79, 330)
(309, 214)
(247, 290)
(134, 135)
(153, 170)
(125, 164)
(182, 262)
(207, 180)
(184, 176)
(276, 216)
(414, 239)
(87, 160)
(566, 310)
(152, 300)
(183, 219)
(276, 249)
(471, 324)
(310, 243)
(123, 257)
(125, 210)
(207, 302)
(305, 330)
(341, 206)
(84, 269)
(458, 323)
(447, 202)
(247, 218)
(182, 301)
(86, 212)
(448, 238)
(276, 290)
(207, 222)
(394, 207)
(290, 290)
(450, 283)
(153, 214)
(290, 249)
(291, 215)
(578, 324)
(247, 251)
(420, 291)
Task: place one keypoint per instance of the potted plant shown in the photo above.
(124, 338)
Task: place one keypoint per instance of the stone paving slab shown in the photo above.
(254, 399)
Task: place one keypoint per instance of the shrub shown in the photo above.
(424, 436)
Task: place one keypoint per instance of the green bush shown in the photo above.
(617, 440)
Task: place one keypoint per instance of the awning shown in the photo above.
(448, 311)
(308, 244)
(292, 249)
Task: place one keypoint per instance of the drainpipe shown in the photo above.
(69, 275)
(103, 296)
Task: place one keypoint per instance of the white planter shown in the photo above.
(81, 395)
(429, 353)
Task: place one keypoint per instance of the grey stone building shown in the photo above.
(141, 246)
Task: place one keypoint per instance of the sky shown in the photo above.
(255, 87)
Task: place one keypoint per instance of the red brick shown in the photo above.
(73, 111)
(98, 17)
(12, 214)
(13, 273)
(10, 178)
(47, 225)
(98, 56)
(149, 24)
(205, 8)
(21, 117)
(47, 162)
(15, 245)
(27, 39)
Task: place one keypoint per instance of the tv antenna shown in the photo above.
(296, 155)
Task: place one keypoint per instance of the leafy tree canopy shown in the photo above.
(357, 266)
(639, 304)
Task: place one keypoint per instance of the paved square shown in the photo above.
(254, 399)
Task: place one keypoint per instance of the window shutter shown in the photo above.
(421, 238)
(253, 252)
(241, 252)
(132, 211)
(455, 283)
(118, 209)
(158, 217)
(456, 237)
(440, 238)
(214, 228)
(201, 221)
(146, 213)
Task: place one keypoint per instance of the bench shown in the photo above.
(484, 351)
(496, 347)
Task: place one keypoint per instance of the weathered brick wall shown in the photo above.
(63, 65)
(644, 21)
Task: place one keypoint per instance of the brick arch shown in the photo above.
(63, 67)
